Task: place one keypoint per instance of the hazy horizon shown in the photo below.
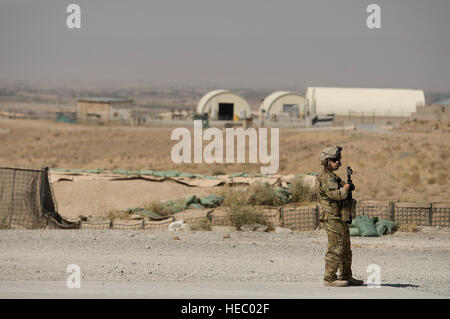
(251, 44)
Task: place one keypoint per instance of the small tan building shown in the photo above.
(434, 113)
(104, 110)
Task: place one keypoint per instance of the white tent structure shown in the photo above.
(360, 101)
(283, 102)
(223, 105)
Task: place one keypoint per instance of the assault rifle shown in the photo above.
(349, 200)
(349, 181)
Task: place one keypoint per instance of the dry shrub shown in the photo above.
(233, 196)
(158, 208)
(257, 194)
(262, 194)
(203, 224)
(238, 209)
(444, 155)
(412, 180)
(300, 193)
(244, 215)
(409, 228)
(442, 178)
(105, 210)
(117, 214)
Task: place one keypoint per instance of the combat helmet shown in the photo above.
(330, 152)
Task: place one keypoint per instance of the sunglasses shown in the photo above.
(334, 160)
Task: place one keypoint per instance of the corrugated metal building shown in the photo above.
(104, 110)
(366, 101)
(223, 105)
(283, 102)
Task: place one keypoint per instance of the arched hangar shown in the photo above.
(223, 105)
(284, 102)
(379, 102)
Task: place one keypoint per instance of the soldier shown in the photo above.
(332, 193)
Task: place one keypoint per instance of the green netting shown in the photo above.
(209, 177)
(170, 173)
(187, 175)
(239, 174)
(125, 172)
(146, 172)
(158, 173)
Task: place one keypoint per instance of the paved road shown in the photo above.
(207, 290)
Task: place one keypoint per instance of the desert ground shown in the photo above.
(387, 166)
(204, 264)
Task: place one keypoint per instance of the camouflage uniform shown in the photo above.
(339, 254)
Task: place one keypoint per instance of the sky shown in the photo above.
(246, 43)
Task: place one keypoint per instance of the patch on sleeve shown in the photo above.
(333, 184)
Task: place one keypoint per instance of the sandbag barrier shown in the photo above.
(141, 224)
(380, 209)
(189, 179)
(440, 214)
(270, 215)
(298, 217)
(420, 214)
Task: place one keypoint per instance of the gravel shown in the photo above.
(417, 261)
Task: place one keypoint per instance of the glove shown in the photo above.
(352, 187)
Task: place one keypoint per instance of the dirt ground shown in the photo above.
(411, 264)
(389, 166)
(98, 198)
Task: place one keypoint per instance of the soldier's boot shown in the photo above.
(335, 283)
(330, 278)
(355, 282)
(346, 274)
